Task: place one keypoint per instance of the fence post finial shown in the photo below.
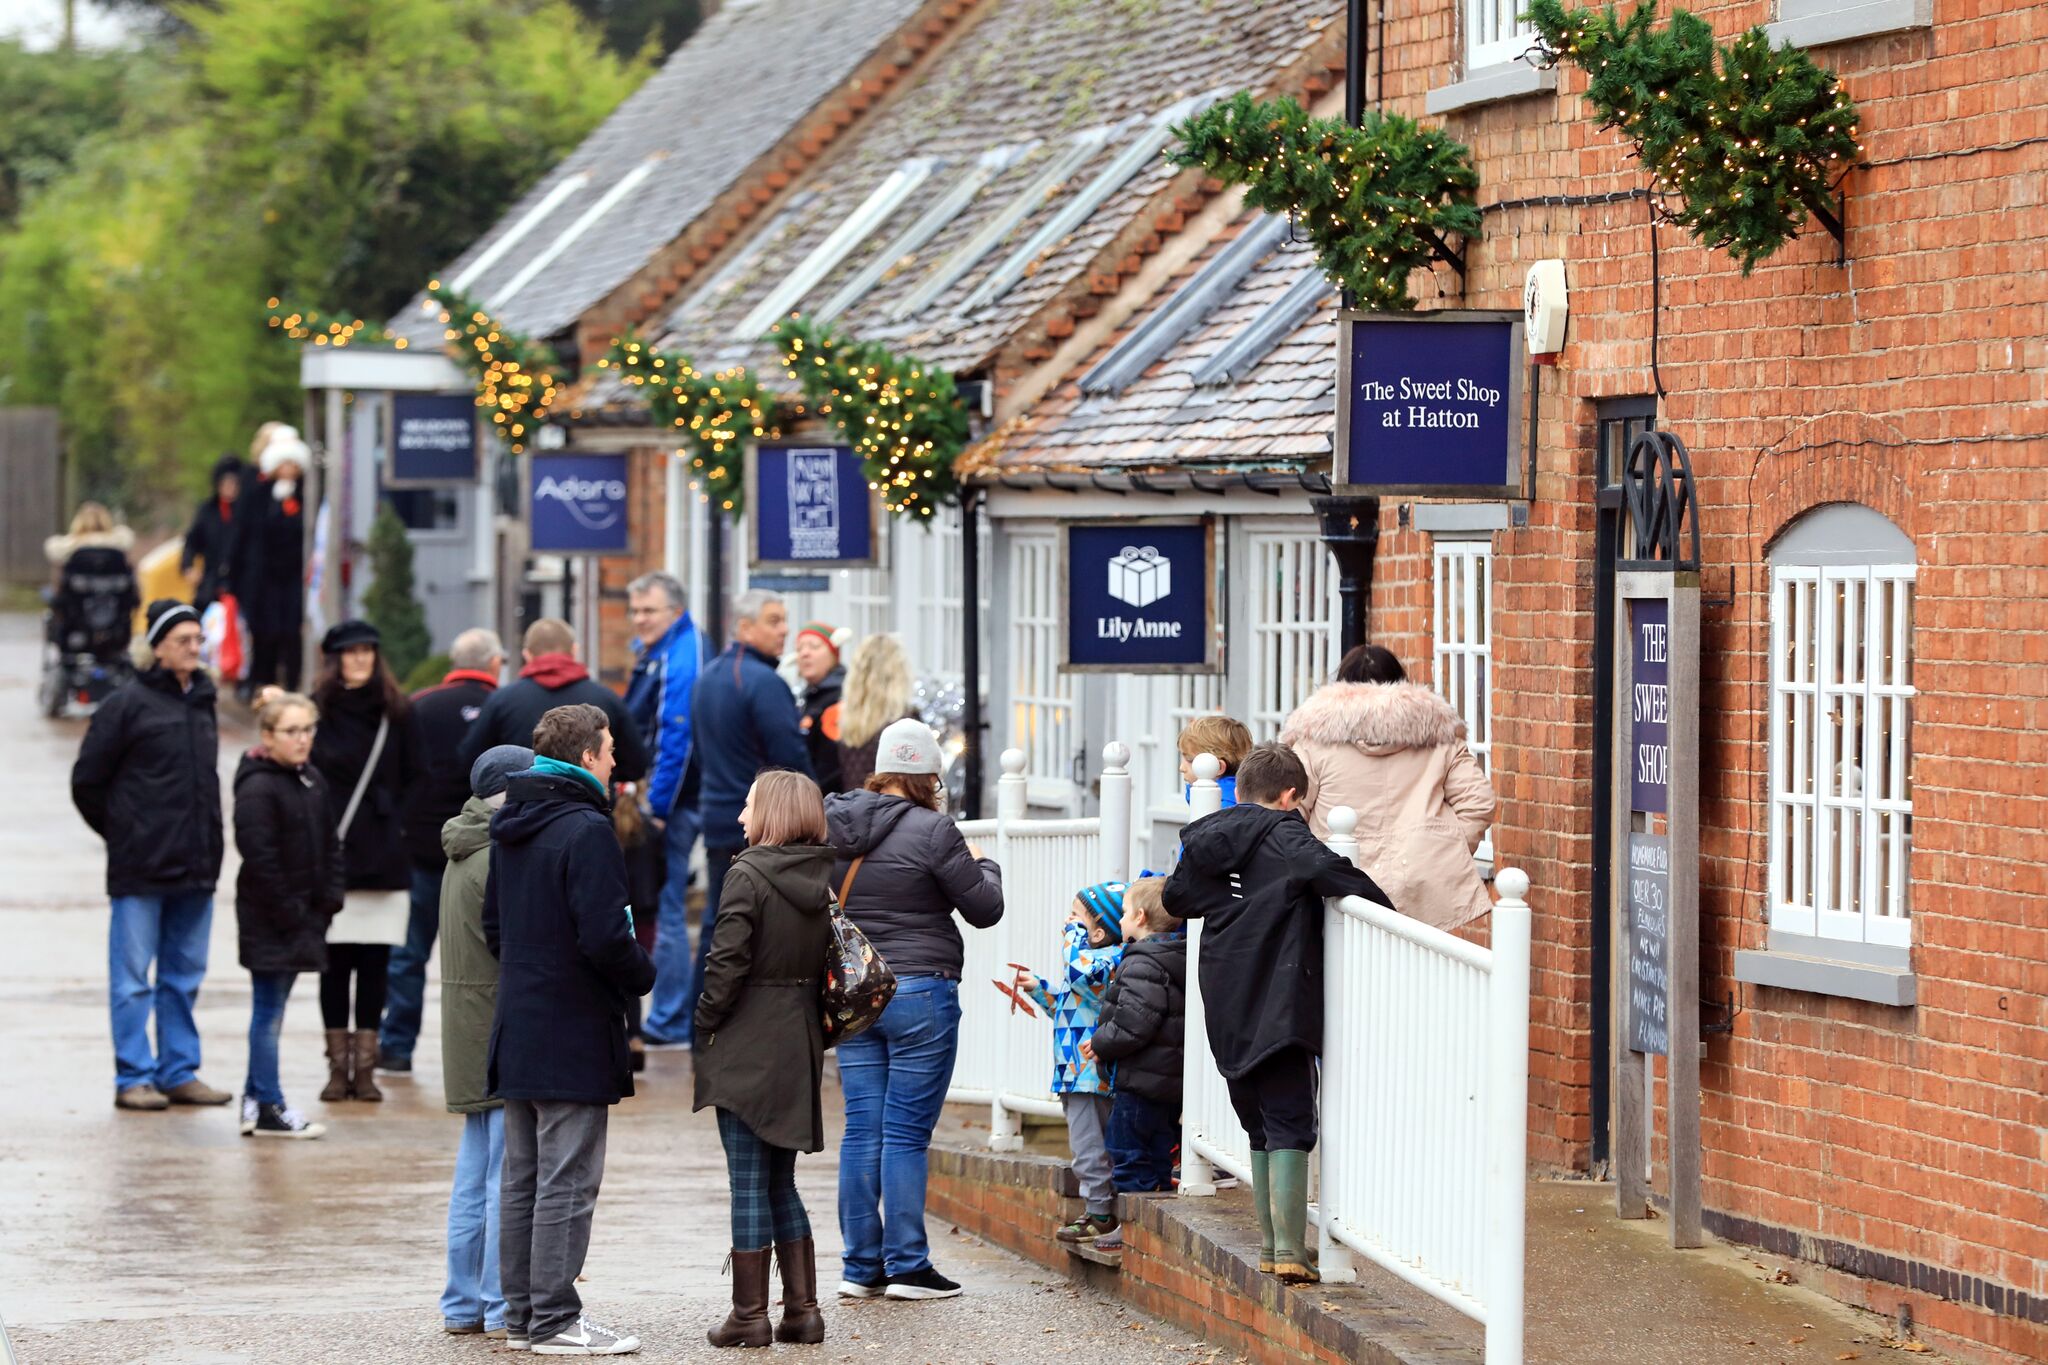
(1116, 811)
(1205, 797)
(1343, 822)
(1010, 787)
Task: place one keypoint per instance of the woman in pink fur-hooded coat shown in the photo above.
(1394, 751)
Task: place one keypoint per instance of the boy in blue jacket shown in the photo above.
(1091, 947)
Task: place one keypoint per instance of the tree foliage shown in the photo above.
(335, 151)
(50, 103)
(390, 603)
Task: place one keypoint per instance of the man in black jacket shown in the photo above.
(556, 917)
(550, 676)
(1256, 876)
(147, 780)
(443, 715)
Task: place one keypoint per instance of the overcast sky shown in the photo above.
(40, 23)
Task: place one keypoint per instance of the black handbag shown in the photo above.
(857, 984)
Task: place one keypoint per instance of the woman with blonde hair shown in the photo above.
(876, 694)
(760, 1049)
(92, 528)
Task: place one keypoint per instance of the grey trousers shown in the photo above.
(554, 1162)
(1088, 1136)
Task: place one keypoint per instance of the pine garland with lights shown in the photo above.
(713, 415)
(515, 377)
(1375, 201)
(1743, 140)
(903, 416)
(303, 324)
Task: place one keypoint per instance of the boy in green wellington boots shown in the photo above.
(1256, 877)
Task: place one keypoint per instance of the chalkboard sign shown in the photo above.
(1649, 928)
(1649, 704)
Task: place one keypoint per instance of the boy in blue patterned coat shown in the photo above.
(1092, 946)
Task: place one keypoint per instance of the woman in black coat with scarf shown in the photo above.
(760, 1051)
(289, 887)
(360, 701)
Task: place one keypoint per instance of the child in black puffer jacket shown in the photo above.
(1142, 1032)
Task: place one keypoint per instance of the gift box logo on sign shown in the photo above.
(1140, 575)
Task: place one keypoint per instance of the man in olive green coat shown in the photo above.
(473, 1301)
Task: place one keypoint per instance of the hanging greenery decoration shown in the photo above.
(1376, 201)
(515, 377)
(1743, 140)
(713, 416)
(903, 416)
(304, 324)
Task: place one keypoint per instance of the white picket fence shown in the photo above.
(1425, 1056)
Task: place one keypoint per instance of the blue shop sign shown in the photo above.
(1649, 703)
(810, 507)
(1139, 597)
(579, 504)
(1430, 403)
(433, 439)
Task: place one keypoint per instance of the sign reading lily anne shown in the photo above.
(578, 504)
(1430, 404)
(433, 440)
(1649, 704)
(1139, 596)
(810, 507)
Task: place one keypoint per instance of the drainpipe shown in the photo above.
(970, 645)
(1350, 528)
(714, 577)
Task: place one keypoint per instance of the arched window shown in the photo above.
(1841, 714)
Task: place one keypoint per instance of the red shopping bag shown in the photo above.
(229, 660)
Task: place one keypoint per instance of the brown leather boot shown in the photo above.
(801, 1320)
(747, 1324)
(366, 1066)
(339, 1057)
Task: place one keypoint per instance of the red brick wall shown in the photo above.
(646, 512)
(1910, 381)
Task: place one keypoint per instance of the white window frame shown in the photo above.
(1461, 642)
(1295, 619)
(1045, 707)
(1854, 667)
(1495, 34)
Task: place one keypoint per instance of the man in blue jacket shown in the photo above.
(745, 719)
(670, 656)
(556, 918)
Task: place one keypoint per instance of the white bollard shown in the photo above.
(1116, 812)
(1507, 1147)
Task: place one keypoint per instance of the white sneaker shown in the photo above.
(515, 1340)
(586, 1338)
(854, 1289)
(248, 1116)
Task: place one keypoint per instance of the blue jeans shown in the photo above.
(171, 932)
(406, 984)
(267, 993)
(675, 978)
(1142, 1136)
(473, 1293)
(894, 1078)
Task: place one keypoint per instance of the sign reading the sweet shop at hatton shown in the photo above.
(1430, 404)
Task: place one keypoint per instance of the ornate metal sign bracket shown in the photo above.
(1663, 505)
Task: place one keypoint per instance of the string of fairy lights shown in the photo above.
(713, 415)
(515, 376)
(1375, 201)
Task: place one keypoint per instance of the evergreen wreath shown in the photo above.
(301, 323)
(515, 377)
(902, 415)
(1375, 201)
(1743, 140)
(712, 415)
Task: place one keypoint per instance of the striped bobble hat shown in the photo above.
(1105, 901)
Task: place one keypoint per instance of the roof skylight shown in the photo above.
(949, 206)
(492, 254)
(1181, 314)
(873, 212)
(627, 183)
(1268, 329)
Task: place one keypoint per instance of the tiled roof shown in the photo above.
(1281, 414)
(1027, 72)
(723, 100)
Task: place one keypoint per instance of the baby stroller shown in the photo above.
(86, 630)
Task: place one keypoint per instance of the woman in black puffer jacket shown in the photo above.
(903, 870)
(288, 889)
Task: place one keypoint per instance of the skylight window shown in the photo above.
(1064, 163)
(495, 252)
(1181, 314)
(1143, 151)
(873, 212)
(1267, 330)
(627, 183)
(703, 297)
(987, 167)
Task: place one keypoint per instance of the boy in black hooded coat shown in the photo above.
(1257, 877)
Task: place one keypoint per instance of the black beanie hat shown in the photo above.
(163, 614)
(347, 633)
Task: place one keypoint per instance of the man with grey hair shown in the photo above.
(670, 655)
(745, 719)
(443, 715)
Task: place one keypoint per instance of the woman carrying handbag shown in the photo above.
(367, 752)
(760, 1050)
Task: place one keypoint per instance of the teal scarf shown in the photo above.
(543, 764)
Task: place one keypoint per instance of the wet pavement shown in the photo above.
(171, 1238)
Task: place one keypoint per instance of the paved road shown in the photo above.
(168, 1237)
